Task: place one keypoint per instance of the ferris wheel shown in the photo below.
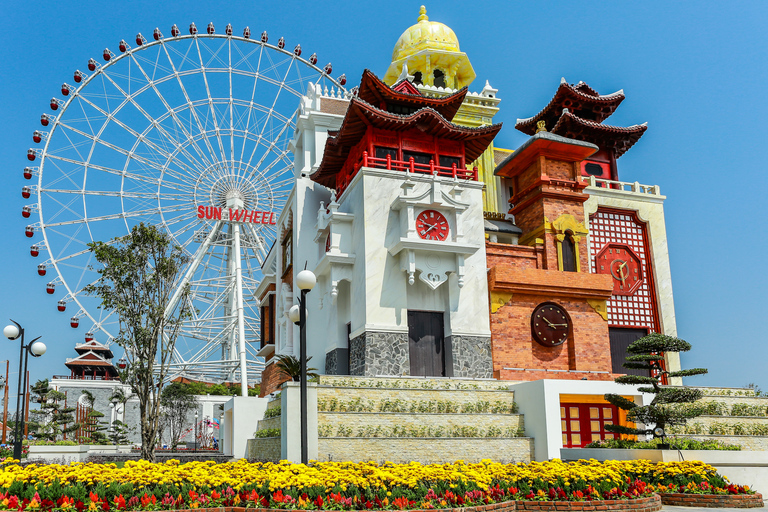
(172, 132)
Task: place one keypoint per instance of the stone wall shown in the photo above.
(471, 356)
(425, 450)
(379, 353)
(263, 449)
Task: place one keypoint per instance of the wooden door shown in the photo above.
(426, 344)
(620, 339)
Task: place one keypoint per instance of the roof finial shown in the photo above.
(541, 126)
(423, 14)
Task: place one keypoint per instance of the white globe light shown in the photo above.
(294, 315)
(11, 332)
(306, 280)
(38, 348)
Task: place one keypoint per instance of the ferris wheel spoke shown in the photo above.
(122, 215)
(116, 172)
(193, 111)
(129, 98)
(283, 154)
(173, 115)
(141, 136)
(253, 95)
(210, 101)
(112, 193)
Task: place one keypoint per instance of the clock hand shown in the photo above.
(550, 323)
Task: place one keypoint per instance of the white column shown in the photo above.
(240, 310)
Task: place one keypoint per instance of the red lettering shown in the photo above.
(234, 215)
(257, 218)
(272, 218)
(200, 212)
(247, 216)
(217, 213)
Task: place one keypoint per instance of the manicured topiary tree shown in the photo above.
(663, 411)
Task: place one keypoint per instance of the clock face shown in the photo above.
(432, 225)
(550, 324)
(621, 262)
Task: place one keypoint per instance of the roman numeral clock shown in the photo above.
(432, 225)
(435, 234)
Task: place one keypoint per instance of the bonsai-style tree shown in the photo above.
(118, 433)
(54, 418)
(178, 401)
(93, 427)
(137, 280)
(663, 411)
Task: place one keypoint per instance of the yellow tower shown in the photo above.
(431, 53)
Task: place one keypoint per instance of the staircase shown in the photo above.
(733, 415)
(401, 419)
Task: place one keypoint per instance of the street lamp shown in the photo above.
(221, 431)
(195, 440)
(36, 348)
(305, 280)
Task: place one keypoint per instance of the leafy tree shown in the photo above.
(178, 401)
(662, 412)
(290, 366)
(137, 280)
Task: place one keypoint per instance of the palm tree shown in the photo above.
(291, 367)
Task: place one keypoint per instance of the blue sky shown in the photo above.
(695, 71)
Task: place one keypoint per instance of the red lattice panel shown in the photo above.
(617, 226)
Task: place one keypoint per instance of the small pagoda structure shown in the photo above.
(93, 362)
(578, 112)
(397, 128)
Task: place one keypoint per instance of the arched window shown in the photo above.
(569, 253)
(439, 78)
(417, 78)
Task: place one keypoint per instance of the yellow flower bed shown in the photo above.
(336, 485)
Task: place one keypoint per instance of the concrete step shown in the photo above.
(358, 424)
(425, 450)
(412, 400)
(414, 382)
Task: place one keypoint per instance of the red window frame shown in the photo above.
(583, 423)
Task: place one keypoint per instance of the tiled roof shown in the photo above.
(580, 99)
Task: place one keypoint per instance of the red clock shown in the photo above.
(621, 262)
(432, 225)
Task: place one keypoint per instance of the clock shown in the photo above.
(621, 262)
(550, 324)
(432, 225)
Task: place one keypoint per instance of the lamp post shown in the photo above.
(221, 431)
(36, 348)
(195, 439)
(305, 280)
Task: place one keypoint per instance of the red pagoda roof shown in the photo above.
(91, 361)
(617, 138)
(580, 99)
(360, 115)
(94, 346)
(375, 92)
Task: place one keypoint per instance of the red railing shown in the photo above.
(85, 377)
(410, 166)
(390, 164)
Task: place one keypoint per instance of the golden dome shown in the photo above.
(425, 34)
